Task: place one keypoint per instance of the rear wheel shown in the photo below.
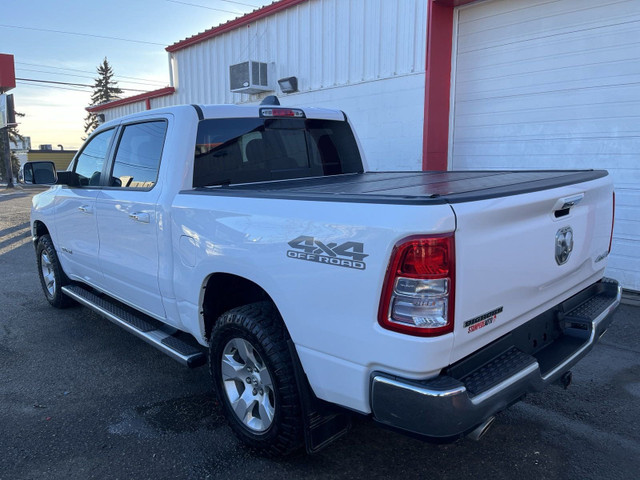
(254, 378)
(52, 278)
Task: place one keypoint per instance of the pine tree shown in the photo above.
(105, 89)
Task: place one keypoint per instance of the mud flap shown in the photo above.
(323, 422)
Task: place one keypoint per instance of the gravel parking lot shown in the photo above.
(81, 398)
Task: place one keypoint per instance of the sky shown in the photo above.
(55, 113)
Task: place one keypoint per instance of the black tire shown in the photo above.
(259, 327)
(52, 278)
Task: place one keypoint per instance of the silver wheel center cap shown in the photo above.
(248, 385)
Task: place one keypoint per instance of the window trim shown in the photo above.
(112, 157)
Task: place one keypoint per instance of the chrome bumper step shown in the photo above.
(496, 371)
(525, 360)
(144, 327)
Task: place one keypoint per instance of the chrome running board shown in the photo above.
(142, 326)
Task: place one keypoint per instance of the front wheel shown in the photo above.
(52, 278)
(254, 379)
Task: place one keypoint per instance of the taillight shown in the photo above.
(418, 292)
(613, 217)
(282, 112)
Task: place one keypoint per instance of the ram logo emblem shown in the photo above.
(564, 245)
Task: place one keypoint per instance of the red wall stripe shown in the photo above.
(435, 139)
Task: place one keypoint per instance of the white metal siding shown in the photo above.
(365, 57)
(122, 110)
(387, 116)
(325, 43)
(554, 85)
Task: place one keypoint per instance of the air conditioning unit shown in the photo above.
(250, 77)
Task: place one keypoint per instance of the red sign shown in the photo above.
(7, 72)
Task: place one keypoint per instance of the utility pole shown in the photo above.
(8, 122)
(6, 153)
(7, 82)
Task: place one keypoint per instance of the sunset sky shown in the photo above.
(139, 31)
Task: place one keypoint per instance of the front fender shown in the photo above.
(43, 212)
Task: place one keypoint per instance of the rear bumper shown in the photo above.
(488, 381)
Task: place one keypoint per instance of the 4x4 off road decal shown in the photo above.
(347, 254)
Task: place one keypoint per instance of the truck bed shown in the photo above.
(410, 188)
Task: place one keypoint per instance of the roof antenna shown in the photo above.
(270, 100)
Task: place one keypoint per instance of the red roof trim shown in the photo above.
(233, 24)
(163, 92)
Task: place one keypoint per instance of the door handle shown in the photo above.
(568, 202)
(86, 209)
(140, 217)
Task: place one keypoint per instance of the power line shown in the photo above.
(80, 34)
(203, 6)
(51, 86)
(83, 71)
(240, 3)
(84, 76)
(71, 84)
(51, 81)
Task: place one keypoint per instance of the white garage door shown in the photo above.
(541, 84)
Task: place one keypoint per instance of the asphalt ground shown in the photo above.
(80, 398)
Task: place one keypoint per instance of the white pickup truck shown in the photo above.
(255, 238)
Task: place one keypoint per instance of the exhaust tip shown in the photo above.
(481, 429)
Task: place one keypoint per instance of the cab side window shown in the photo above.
(137, 160)
(91, 160)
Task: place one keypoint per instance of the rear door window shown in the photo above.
(137, 160)
(246, 150)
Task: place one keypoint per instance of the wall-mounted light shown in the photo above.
(288, 85)
(100, 117)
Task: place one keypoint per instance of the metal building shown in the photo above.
(437, 84)
(365, 57)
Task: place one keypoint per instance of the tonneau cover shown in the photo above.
(415, 188)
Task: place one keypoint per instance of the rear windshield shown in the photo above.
(245, 150)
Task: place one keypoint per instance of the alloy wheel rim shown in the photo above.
(248, 385)
(47, 273)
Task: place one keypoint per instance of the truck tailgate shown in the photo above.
(508, 268)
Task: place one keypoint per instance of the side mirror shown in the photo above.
(44, 173)
(39, 173)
